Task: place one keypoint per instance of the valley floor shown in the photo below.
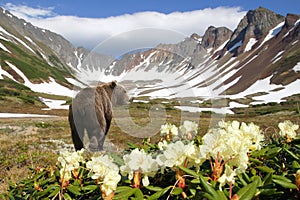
(36, 142)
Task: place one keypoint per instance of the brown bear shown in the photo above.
(91, 110)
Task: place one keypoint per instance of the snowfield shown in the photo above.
(54, 104)
(19, 115)
(51, 87)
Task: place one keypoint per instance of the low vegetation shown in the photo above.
(263, 163)
(29, 145)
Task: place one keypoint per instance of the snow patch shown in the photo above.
(75, 82)
(277, 57)
(297, 67)
(250, 44)
(49, 88)
(224, 110)
(272, 33)
(16, 38)
(5, 39)
(278, 96)
(4, 48)
(54, 104)
(295, 42)
(238, 44)
(262, 85)
(20, 115)
(234, 104)
(140, 101)
(221, 47)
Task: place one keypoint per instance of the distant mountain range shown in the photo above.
(258, 61)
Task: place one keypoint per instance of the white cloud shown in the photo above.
(89, 32)
(25, 12)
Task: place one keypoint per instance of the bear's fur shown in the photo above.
(91, 110)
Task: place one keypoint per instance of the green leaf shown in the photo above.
(139, 194)
(193, 191)
(46, 191)
(132, 146)
(291, 154)
(122, 188)
(244, 178)
(55, 192)
(74, 189)
(277, 177)
(208, 196)
(90, 188)
(269, 192)
(159, 193)
(295, 164)
(240, 176)
(259, 153)
(273, 152)
(247, 192)
(255, 160)
(76, 183)
(67, 196)
(285, 184)
(296, 141)
(195, 181)
(208, 188)
(268, 178)
(222, 196)
(125, 194)
(266, 169)
(38, 176)
(177, 191)
(153, 188)
(189, 171)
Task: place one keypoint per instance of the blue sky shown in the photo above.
(113, 23)
(105, 8)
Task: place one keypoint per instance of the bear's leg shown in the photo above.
(76, 129)
(93, 144)
(96, 137)
(77, 141)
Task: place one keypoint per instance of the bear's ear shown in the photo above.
(113, 84)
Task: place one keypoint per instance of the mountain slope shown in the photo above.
(262, 51)
(256, 63)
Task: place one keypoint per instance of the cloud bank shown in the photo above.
(89, 32)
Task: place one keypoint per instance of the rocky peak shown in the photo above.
(215, 37)
(290, 20)
(196, 37)
(255, 24)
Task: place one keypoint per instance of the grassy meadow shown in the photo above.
(35, 142)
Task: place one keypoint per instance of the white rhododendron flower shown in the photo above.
(188, 130)
(162, 145)
(168, 129)
(232, 141)
(288, 129)
(227, 177)
(70, 161)
(110, 181)
(189, 127)
(139, 161)
(71, 158)
(254, 133)
(65, 175)
(100, 165)
(105, 171)
(176, 154)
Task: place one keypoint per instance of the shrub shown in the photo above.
(232, 161)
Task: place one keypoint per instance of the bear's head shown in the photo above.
(119, 94)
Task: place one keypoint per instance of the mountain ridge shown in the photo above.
(220, 64)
